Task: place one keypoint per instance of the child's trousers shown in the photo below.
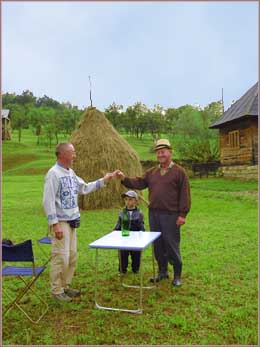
(135, 256)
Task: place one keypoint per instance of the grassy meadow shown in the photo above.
(216, 305)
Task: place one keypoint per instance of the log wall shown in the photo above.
(243, 150)
(242, 172)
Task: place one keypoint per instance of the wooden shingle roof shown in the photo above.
(247, 105)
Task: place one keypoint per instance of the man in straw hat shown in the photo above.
(169, 203)
(60, 201)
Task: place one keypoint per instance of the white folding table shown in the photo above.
(136, 241)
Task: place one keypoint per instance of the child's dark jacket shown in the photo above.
(136, 220)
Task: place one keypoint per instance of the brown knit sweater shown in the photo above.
(169, 192)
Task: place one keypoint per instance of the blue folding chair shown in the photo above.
(22, 252)
(46, 240)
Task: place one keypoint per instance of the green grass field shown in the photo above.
(217, 304)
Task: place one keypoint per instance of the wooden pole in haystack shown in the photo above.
(90, 91)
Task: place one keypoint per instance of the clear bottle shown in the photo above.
(125, 223)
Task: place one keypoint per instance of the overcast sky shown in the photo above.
(167, 53)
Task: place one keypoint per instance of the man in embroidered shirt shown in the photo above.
(169, 203)
(60, 201)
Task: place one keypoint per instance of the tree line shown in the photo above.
(47, 117)
(188, 125)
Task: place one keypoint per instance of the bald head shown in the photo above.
(65, 154)
(62, 147)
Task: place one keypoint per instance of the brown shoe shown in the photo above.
(61, 297)
(72, 293)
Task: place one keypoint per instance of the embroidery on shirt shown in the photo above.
(51, 217)
(98, 184)
(68, 192)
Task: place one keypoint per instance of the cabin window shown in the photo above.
(233, 137)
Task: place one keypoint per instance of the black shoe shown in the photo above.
(159, 278)
(135, 271)
(176, 282)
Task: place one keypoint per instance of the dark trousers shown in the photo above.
(167, 246)
(135, 256)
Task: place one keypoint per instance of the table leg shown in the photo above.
(153, 260)
(96, 275)
(138, 311)
(141, 282)
(120, 268)
(141, 287)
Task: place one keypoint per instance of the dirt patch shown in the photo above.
(12, 161)
(36, 171)
(253, 193)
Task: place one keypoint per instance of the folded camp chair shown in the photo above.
(22, 252)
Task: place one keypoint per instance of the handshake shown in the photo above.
(111, 175)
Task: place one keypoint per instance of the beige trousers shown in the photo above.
(63, 259)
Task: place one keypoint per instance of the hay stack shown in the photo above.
(101, 149)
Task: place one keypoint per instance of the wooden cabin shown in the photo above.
(238, 131)
(6, 125)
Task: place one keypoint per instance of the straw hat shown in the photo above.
(162, 143)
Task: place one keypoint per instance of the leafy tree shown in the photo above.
(154, 124)
(49, 132)
(141, 125)
(8, 99)
(71, 119)
(159, 109)
(129, 119)
(57, 125)
(37, 120)
(171, 118)
(19, 118)
(189, 125)
(45, 101)
(197, 150)
(51, 123)
(114, 114)
(214, 111)
(135, 121)
(26, 99)
(194, 139)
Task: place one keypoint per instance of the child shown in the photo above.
(136, 223)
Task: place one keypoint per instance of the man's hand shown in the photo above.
(108, 177)
(58, 231)
(119, 174)
(180, 221)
